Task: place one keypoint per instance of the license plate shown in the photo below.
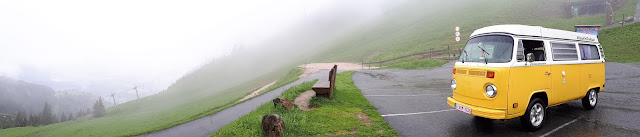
(464, 109)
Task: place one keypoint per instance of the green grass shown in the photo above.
(628, 10)
(149, 114)
(417, 64)
(420, 26)
(335, 117)
(416, 26)
(621, 44)
(291, 76)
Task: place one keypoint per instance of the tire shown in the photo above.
(483, 124)
(539, 109)
(590, 100)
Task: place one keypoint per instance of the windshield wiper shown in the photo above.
(465, 55)
(483, 52)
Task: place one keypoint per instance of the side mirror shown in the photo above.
(530, 57)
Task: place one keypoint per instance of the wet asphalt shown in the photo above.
(414, 103)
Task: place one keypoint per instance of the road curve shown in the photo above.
(205, 126)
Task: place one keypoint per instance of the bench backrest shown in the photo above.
(332, 78)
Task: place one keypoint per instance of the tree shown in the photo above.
(87, 112)
(21, 119)
(47, 116)
(81, 113)
(63, 117)
(34, 120)
(70, 117)
(55, 119)
(98, 108)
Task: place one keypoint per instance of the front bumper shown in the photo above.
(480, 111)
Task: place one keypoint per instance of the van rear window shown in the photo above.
(589, 52)
(562, 52)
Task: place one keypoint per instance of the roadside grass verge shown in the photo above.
(621, 44)
(335, 117)
(291, 76)
(416, 64)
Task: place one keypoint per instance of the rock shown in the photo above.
(285, 102)
(303, 100)
(629, 19)
(272, 125)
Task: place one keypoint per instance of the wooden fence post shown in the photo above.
(449, 50)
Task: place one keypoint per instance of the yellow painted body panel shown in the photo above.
(479, 111)
(472, 86)
(525, 81)
(592, 76)
(565, 87)
(519, 84)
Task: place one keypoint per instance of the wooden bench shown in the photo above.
(325, 86)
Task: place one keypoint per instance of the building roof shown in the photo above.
(536, 31)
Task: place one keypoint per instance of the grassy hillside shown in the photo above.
(155, 112)
(419, 26)
(621, 44)
(415, 26)
(335, 117)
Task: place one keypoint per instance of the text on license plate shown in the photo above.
(464, 109)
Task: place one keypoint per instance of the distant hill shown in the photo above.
(17, 95)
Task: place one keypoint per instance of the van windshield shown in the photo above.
(492, 49)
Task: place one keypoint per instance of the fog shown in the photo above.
(106, 47)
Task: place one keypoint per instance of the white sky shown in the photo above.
(148, 42)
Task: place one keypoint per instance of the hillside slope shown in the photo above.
(409, 28)
(621, 44)
(424, 25)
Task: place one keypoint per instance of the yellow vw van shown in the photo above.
(509, 71)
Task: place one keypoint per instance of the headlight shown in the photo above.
(491, 91)
(453, 84)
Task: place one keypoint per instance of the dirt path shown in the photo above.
(257, 92)
(303, 100)
(209, 124)
(342, 66)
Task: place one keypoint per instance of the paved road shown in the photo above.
(414, 103)
(205, 126)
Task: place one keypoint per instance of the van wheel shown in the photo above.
(534, 117)
(590, 101)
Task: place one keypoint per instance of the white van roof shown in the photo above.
(536, 31)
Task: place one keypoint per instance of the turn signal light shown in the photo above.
(454, 70)
(491, 74)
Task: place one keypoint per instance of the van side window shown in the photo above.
(563, 52)
(520, 52)
(589, 52)
(601, 51)
(531, 46)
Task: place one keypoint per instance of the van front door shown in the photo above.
(528, 77)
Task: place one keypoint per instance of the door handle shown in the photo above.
(547, 73)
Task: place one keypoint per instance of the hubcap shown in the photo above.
(537, 114)
(593, 97)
